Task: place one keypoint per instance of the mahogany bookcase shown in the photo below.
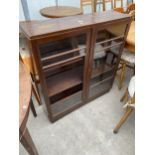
(76, 57)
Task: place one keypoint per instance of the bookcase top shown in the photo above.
(42, 28)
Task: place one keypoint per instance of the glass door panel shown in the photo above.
(105, 57)
(63, 65)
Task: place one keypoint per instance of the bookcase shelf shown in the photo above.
(66, 103)
(65, 80)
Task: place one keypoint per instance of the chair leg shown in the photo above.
(36, 94)
(122, 75)
(125, 96)
(35, 83)
(123, 119)
(33, 108)
(93, 7)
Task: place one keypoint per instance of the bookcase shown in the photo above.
(76, 57)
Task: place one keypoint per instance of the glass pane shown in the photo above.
(63, 78)
(105, 57)
(63, 50)
(66, 103)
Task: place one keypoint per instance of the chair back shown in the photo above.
(115, 3)
(105, 2)
(121, 10)
(87, 3)
(130, 8)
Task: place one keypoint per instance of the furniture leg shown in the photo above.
(104, 5)
(33, 108)
(93, 6)
(36, 84)
(36, 94)
(125, 96)
(123, 119)
(28, 143)
(122, 75)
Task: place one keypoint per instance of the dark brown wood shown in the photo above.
(61, 54)
(25, 102)
(24, 92)
(66, 75)
(28, 143)
(61, 82)
(40, 29)
(36, 94)
(62, 63)
(33, 108)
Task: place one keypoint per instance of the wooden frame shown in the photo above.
(115, 3)
(66, 30)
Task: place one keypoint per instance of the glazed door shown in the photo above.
(105, 54)
(63, 62)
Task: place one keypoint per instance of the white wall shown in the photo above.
(21, 13)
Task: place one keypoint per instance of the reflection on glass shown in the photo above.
(106, 51)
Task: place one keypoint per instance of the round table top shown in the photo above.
(60, 11)
(24, 92)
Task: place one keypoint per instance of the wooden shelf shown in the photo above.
(62, 63)
(100, 87)
(63, 81)
(49, 57)
(109, 40)
(67, 103)
(100, 70)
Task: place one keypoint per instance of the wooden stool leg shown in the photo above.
(93, 6)
(122, 3)
(104, 5)
(36, 94)
(28, 144)
(122, 75)
(125, 96)
(33, 108)
(123, 119)
(112, 4)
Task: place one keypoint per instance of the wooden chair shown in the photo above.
(120, 9)
(129, 2)
(129, 98)
(115, 3)
(27, 60)
(94, 3)
(130, 8)
(84, 3)
(127, 58)
(105, 2)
